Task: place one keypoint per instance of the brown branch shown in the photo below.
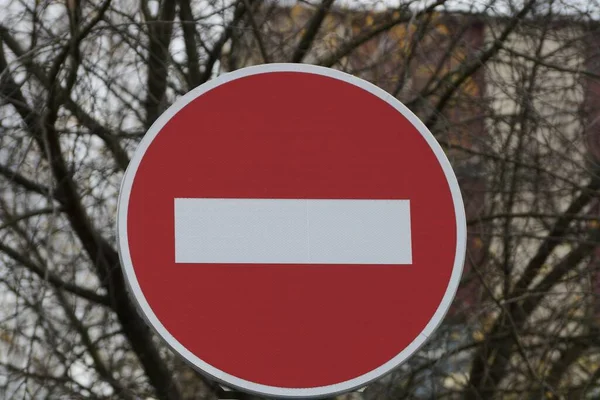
(50, 277)
(72, 48)
(489, 364)
(361, 39)
(456, 78)
(311, 31)
(552, 66)
(26, 183)
(443, 61)
(91, 349)
(189, 37)
(590, 384)
(411, 52)
(217, 49)
(119, 154)
(524, 122)
(256, 33)
(30, 214)
(562, 365)
(556, 234)
(159, 34)
(525, 215)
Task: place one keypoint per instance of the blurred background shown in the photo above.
(511, 89)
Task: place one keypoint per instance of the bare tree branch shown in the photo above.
(311, 31)
(189, 34)
(159, 34)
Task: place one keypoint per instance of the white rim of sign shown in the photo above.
(222, 376)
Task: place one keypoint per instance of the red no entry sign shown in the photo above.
(291, 230)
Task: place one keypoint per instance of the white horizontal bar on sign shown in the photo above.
(292, 231)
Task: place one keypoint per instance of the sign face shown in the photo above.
(291, 230)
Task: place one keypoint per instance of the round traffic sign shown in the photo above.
(291, 230)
